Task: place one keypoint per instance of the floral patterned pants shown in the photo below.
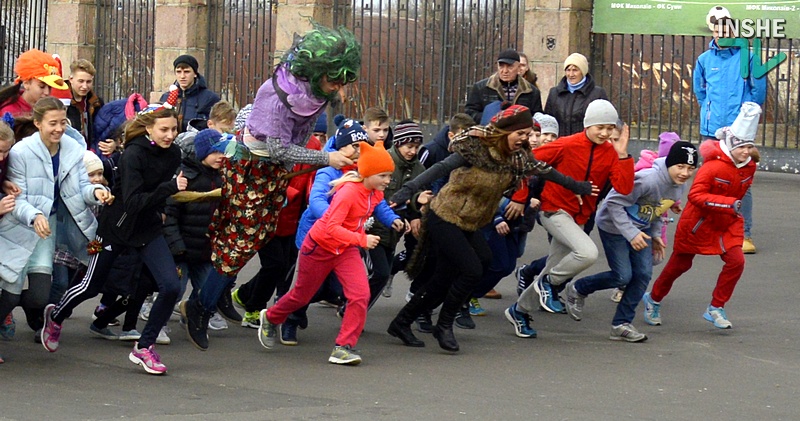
(253, 193)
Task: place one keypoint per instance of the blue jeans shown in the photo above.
(213, 287)
(197, 273)
(629, 268)
(747, 211)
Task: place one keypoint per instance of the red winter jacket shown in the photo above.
(710, 224)
(296, 196)
(583, 160)
(342, 225)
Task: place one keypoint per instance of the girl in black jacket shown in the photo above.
(134, 220)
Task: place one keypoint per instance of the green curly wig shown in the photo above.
(324, 51)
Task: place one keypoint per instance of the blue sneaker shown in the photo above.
(289, 333)
(9, 327)
(521, 322)
(475, 308)
(652, 310)
(717, 316)
(543, 288)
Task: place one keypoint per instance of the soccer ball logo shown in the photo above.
(716, 14)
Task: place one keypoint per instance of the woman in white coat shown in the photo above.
(55, 189)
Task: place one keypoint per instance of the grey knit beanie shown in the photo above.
(599, 112)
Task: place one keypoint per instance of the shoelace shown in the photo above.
(153, 354)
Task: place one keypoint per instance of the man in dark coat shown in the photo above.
(505, 85)
(195, 99)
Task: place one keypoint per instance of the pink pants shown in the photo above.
(313, 266)
(681, 262)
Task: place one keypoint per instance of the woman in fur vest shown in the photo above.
(488, 162)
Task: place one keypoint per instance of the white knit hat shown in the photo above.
(92, 162)
(578, 60)
(548, 123)
(599, 112)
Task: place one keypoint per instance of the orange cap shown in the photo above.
(35, 64)
(374, 159)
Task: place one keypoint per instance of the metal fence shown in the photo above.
(125, 48)
(241, 42)
(649, 79)
(421, 56)
(23, 25)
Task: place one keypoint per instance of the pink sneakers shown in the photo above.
(51, 333)
(148, 358)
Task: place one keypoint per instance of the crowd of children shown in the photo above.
(326, 216)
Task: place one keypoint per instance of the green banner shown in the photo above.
(678, 17)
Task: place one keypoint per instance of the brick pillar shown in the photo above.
(71, 30)
(181, 28)
(293, 18)
(553, 30)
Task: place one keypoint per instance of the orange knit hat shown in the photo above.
(35, 64)
(374, 159)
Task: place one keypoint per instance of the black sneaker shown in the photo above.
(225, 308)
(196, 323)
(464, 320)
(424, 323)
(522, 281)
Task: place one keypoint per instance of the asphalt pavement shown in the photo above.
(686, 370)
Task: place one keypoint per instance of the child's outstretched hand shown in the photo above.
(401, 225)
(104, 196)
(659, 249)
(7, 204)
(425, 197)
(10, 188)
(372, 241)
(181, 181)
(640, 241)
(621, 145)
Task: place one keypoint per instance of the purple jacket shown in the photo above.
(282, 119)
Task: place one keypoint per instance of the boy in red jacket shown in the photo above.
(712, 223)
(586, 156)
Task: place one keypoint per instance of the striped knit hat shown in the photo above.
(407, 132)
(513, 118)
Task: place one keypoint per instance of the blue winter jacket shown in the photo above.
(319, 200)
(720, 88)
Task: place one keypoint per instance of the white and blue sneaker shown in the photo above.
(545, 291)
(521, 322)
(652, 310)
(717, 316)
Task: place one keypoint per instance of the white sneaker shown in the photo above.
(162, 338)
(616, 295)
(216, 322)
(144, 312)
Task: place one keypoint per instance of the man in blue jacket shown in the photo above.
(195, 99)
(721, 90)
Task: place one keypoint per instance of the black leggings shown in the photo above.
(156, 256)
(33, 300)
(460, 258)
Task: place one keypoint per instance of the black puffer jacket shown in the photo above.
(492, 89)
(146, 181)
(186, 226)
(570, 108)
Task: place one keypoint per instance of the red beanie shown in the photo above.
(374, 159)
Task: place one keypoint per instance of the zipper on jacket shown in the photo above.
(588, 170)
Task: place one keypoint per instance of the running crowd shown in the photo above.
(134, 201)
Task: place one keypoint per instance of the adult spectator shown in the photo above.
(195, 99)
(505, 85)
(525, 70)
(85, 104)
(568, 100)
(37, 72)
(720, 90)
